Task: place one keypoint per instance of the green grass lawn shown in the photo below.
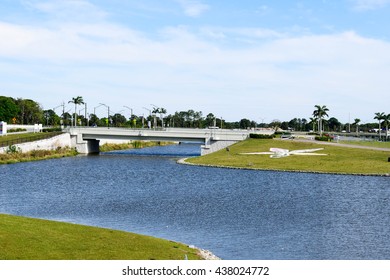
(12, 139)
(338, 160)
(34, 239)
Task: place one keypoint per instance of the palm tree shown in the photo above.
(320, 113)
(313, 122)
(379, 117)
(386, 120)
(356, 122)
(76, 101)
(160, 111)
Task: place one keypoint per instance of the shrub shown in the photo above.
(16, 130)
(137, 144)
(12, 149)
(323, 138)
(261, 136)
(54, 129)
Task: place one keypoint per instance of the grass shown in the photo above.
(15, 157)
(107, 147)
(339, 160)
(34, 239)
(12, 139)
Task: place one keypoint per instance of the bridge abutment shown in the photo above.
(212, 146)
(85, 146)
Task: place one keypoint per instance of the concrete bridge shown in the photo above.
(86, 139)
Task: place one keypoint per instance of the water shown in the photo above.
(237, 214)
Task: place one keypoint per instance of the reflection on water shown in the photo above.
(237, 214)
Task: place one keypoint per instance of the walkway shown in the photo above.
(339, 144)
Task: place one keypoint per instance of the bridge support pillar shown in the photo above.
(85, 146)
(212, 146)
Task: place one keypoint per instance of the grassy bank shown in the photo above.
(107, 147)
(12, 139)
(15, 156)
(339, 160)
(34, 239)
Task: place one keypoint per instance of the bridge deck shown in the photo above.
(86, 138)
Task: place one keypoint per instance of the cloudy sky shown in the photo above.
(255, 59)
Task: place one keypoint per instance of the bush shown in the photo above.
(261, 136)
(137, 144)
(323, 138)
(12, 149)
(16, 130)
(54, 129)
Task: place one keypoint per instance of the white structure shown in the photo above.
(3, 128)
(279, 153)
(53, 143)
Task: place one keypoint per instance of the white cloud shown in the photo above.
(363, 5)
(193, 8)
(183, 68)
(244, 34)
(67, 10)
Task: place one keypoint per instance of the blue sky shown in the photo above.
(261, 60)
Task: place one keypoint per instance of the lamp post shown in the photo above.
(108, 114)
(156, 110)
(150, 114)
(63, 108)
(80, 114)
(160, 111)
(94, 109)
(131, 111)
(131, 115)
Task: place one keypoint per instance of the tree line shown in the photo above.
(27, 111)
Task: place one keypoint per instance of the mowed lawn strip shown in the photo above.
(34, 239)
(340, 160)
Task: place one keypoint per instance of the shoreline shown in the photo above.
(183, 161)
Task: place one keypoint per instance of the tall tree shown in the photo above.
(76, 101)
(356, 123)
(380, 117)
(118, 119)
(51, 118)
(161, 111)
(386, 120)
(8, 109)
(313, 123)
(210, 120)
(30, 112)
(334, 124)
(320, 112)
(245, 123)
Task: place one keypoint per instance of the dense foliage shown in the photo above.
(26, 111)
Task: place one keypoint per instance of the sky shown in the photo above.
(254, 59)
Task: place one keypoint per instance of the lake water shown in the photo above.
(237, 214)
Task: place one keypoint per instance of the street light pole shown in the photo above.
(94, 109)
(131, 111)
(150, 111)
(131, 115)
(108, 114)
(157, 109)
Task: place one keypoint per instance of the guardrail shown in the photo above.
(21, 140)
